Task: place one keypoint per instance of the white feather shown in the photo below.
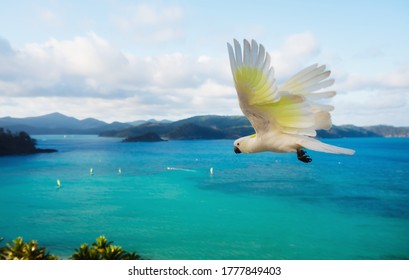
(318, 146)
(305, 84)
(254, 53)
(232, 59)
(284, 117)
(246, 53)
(261, 56)
(302, 73)
(237, 50)
(320, 95)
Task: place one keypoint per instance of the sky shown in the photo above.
(137, 60)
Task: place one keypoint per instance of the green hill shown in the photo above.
(18, 144)
(232, 127)
(199, 127)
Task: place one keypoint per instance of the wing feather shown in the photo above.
(254, 53)
(288, 108)
(321, 85)
(308, 80)
(261, 57)
(266, 65)
(302, 73)
(233, 63)
(320, 95)
(307, 73)
(246, 53)
(237, 49)
(305, 85)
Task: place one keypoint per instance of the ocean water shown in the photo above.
(166, 205)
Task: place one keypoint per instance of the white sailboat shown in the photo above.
(58, 183)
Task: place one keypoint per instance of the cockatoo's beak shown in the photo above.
(237, 150)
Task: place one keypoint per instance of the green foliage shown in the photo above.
(2, 250)
(19, 143)
(85, 253)
(20, 250)
(103, 249)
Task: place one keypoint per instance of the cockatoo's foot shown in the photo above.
(302, 156)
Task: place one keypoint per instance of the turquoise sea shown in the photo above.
(166, 205)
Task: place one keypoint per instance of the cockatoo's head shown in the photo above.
(243, 145)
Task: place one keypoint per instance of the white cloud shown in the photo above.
(147, 14)
(397, 78)
(63, 74)
(10, 87)
(87, 65)
(5, 48)
(50, 17)
(92, 65)
(384, 107)
(148, 23)
(294, 54)
(173, 106)
(364, 107)
(371, 101)
(88, 76)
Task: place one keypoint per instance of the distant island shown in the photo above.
(194, 128)
(19, 144)
(233, 127)
(147, 137)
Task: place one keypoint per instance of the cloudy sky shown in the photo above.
(132, 60)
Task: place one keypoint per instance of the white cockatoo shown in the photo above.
(285, 117)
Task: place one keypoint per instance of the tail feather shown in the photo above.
(318, 146)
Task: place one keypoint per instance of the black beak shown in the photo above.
(237, 150)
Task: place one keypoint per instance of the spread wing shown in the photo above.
(289, 108)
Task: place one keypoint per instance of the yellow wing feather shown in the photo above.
(288, 108)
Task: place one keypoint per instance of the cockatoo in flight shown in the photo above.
(285, 117)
